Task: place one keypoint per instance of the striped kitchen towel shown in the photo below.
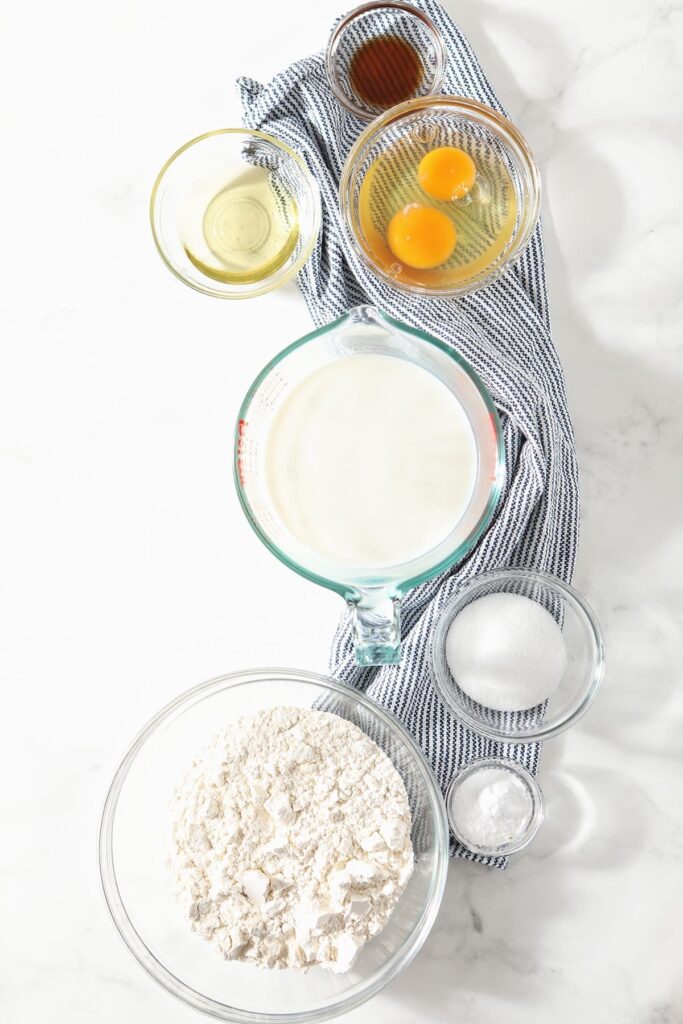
(503, 330)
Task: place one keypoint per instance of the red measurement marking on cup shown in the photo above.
(241, 431)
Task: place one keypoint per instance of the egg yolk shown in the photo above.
(421, 237)
(447, 173)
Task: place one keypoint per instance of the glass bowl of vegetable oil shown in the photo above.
(235, 213)
(440, 195)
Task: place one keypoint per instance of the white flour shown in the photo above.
(291, 840)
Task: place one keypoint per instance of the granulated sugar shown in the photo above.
(506, 652)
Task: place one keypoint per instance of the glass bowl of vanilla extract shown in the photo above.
(381, 54)
(439, 195)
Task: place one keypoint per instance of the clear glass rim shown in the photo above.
(567, 593)
(270, 283)
(537, 805)
(338, 31)
(412, 579)
(135, 943)
(512, 137)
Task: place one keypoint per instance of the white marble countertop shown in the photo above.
(129, 572)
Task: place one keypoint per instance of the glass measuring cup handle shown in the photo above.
(376, 617)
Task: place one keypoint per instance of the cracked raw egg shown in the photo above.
(421, 237)
(446, 173)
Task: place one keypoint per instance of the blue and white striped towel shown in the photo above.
(503, 330)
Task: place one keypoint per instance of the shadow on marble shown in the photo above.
(600, 236)
(473, 17)
(628, 431)
(493, 928)
(595, 818)
(627, 414)
(488, 937)
(641, 686)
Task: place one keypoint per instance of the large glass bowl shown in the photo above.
(135, 824)
(421, 124)
(583, 672)
(203, 168)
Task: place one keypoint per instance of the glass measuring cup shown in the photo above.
(374, 595)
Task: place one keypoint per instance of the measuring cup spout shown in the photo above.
(376, 617)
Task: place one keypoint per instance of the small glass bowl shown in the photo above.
(450, 120)
(139, 892)
(582, 674)
(535, 795)
(198, 172)
(371, 21)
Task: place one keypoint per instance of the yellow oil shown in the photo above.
(250, 229)
(485, 219)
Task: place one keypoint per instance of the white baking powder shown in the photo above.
(490, 807)
(291, 840)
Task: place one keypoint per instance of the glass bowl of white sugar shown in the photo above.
(517, 655)
(143, 872)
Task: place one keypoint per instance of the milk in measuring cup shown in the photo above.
(370, 461)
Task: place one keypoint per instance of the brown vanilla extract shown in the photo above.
(385, 71)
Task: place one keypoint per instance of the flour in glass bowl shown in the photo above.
(290, 840)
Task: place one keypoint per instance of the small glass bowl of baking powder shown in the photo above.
(495, 807)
